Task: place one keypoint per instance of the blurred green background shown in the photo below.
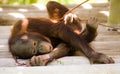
(23, 2)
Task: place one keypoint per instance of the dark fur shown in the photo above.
(62, 36)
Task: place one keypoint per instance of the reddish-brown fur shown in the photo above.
(62, 32)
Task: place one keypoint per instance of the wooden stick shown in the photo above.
(105, 25)
(74, 8)
(86, 20)
(109, 26)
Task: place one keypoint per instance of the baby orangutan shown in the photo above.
(42, 40)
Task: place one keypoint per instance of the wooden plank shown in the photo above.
(3, 41)
(101, 37)
(106, 45)
(106, 42)
(76, 60)
(111, 46)
(7, 62)
(5, 30)
(35, 11)
(5, 54)
(108, 38)
(74, 69)
(64, 61)
(101, 44)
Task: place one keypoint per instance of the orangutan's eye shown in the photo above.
(34, 43)
(33, 51)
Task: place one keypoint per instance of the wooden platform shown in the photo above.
(15, 12)
(106, 42)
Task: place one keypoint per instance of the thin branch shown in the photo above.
(86, 20)
(105, 25)
(74, 8)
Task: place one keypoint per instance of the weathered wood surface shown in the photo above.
(73, 69)
(106, 42)
(16, 12)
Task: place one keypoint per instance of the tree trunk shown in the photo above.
(114, 17)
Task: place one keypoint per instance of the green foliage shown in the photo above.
(72, 1)
(114, 17)
(21, 2)
(17, 2)
(65, 1)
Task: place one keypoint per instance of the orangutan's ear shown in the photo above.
(20, 27)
